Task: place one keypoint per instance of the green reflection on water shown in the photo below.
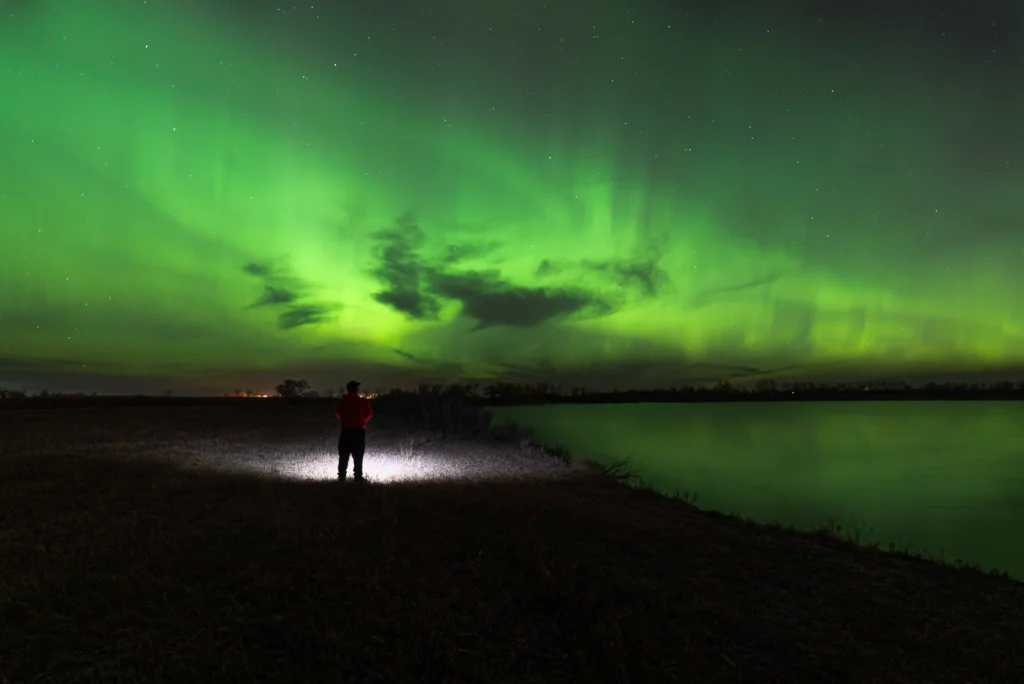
(945, 478)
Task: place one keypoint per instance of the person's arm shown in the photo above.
(337, 409)
(367, 409)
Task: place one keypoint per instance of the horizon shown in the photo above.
(131, 387)
(588, 194)
(478, 389)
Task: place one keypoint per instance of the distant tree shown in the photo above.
(292, 388)
(462, 390)
(426, 389)
(765, 386)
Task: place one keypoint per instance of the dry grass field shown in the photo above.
(210, 544)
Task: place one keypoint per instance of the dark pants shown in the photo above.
(352, 441)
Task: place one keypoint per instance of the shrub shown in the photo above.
(447, 413)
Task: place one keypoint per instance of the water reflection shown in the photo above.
(942, 477)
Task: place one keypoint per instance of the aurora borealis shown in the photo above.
(212, 195)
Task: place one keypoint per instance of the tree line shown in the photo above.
(509, 393)
(503, 393)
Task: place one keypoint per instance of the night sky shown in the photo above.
(205, 195)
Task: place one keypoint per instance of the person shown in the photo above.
(354, 412)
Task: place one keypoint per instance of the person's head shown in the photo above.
(352, 386)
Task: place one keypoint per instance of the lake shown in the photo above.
(945, 478)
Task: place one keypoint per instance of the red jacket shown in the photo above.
(354, 411)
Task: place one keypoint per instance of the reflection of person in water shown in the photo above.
(354, 412)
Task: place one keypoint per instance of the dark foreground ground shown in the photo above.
(118, 568)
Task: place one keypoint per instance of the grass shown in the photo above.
(448, 414)
(444, 415)
(118, 565)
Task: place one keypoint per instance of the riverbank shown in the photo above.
(192, 545)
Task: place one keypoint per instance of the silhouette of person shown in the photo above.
(353, 412)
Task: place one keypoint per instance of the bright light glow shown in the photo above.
(378, 466)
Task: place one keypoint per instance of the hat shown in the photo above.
(352, 385)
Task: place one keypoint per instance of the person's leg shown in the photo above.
(343, 451)
(358, 449)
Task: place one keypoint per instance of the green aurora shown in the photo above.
(210, 195)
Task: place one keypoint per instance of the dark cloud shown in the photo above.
(405, 354)
(416, 288)
(647, 276)
(282, 290)
(258, 270)
(401, 272)
(410, 302)
(710, 295)
(298, 316)
(456, 253)
(490, 301)
(644, 275)
(548, 267)
(276, 295)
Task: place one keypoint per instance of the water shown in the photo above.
(946, 478)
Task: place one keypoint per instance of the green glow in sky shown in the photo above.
(211, 195)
